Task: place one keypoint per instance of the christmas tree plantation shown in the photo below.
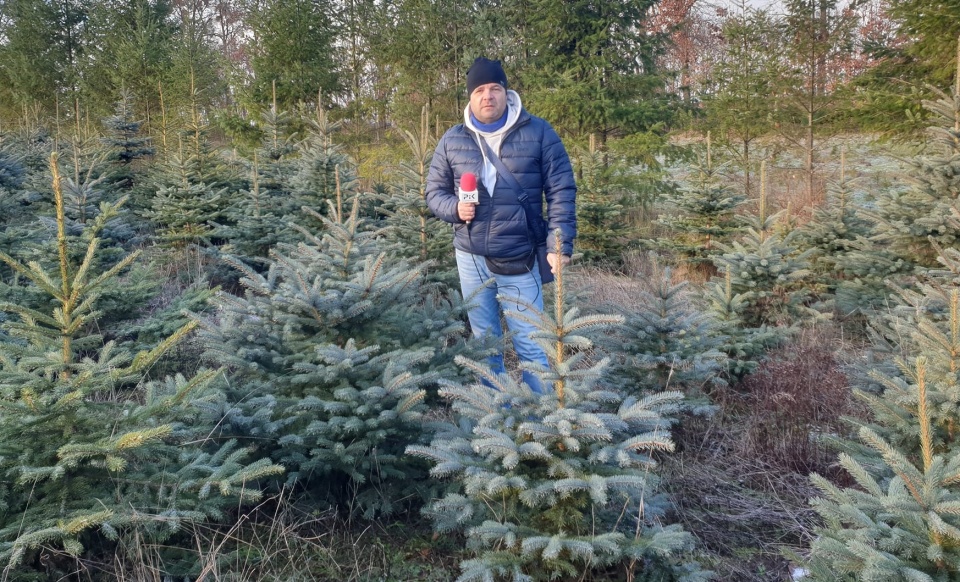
(92, 449)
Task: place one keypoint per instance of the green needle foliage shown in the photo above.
(603, 190)
(705, 214)
(322, 172)
(767, 263)
(847, 265)
(253, 222)
(913, 234)
(33, 229)
(256, 219)
(667, 341)
(16, 212)
(559, 485)
(902, 521)
(190, 188)
(90, 449)
(182, 209)
(125, 142)
(418, 235)
(924, 322)
(909, 220)
(330, 353)
(761, 298)
(744, 345)
(12, 170)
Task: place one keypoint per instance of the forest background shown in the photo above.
(233, 347)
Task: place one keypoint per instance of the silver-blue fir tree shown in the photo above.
(560, 485)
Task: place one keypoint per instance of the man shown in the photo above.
(498, 226)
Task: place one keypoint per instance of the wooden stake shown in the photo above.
(956, 90)
(843, 164)
(763, 192)
(709, 153)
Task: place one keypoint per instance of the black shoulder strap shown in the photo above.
(536, 231)
(505, 173)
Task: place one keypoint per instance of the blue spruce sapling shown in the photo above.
(557, 485)
(330, 352)
(93, 450)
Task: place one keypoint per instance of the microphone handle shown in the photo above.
(469, 221)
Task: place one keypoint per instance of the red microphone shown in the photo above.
(468, 189)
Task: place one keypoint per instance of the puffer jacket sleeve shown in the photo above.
(440, 195)
(560, 190)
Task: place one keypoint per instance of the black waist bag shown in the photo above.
(517, 266)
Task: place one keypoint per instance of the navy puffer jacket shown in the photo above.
(533, 152)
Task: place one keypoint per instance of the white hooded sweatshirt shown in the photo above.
(495, 138)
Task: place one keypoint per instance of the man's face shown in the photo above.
(488, 102)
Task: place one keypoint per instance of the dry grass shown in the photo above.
(278, 541)
(799, 392)
(743, 512)
(740, 480)
(597, 286)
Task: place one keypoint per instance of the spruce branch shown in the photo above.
(144, 360)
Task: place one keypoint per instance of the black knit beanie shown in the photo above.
(484, 71)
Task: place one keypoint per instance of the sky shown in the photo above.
(730, 4)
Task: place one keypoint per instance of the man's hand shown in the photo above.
(466, 211)
(554, 261)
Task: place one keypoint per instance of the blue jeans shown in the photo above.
(484, 314)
